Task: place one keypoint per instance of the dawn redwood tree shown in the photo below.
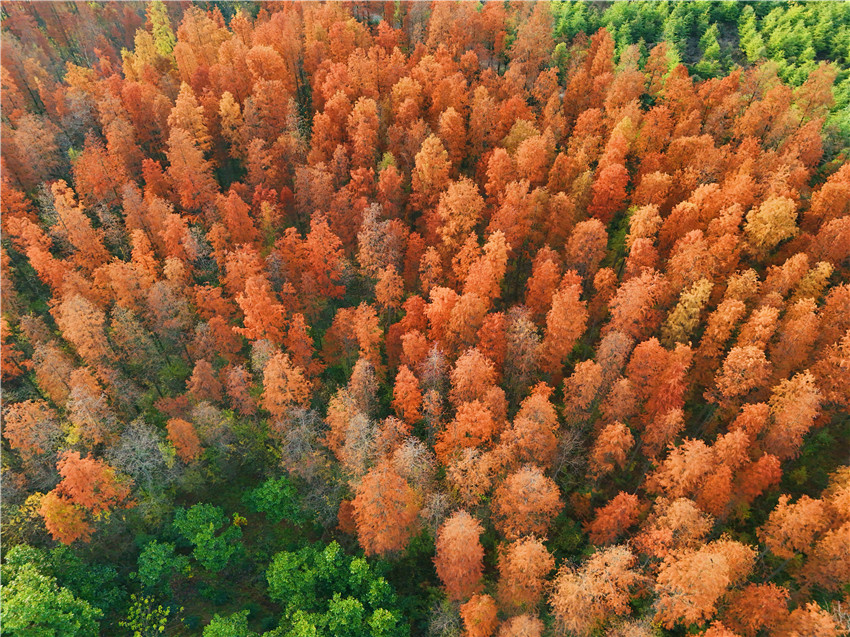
(792, 528)
(237, 386)
(471, 377)
(691, 584)
(586, 247)
(188, 115)
(613, 519)
(431, 173)
(183, 436)
(610, 449)
(265, 317)
(284, 386)
(189, 171)
(523, 568)
(583, 598)
(88, 409)
(65, 521)
(460, 556)
(472, 426)
(31, 427)
(98, 174)
(237, 219)
(88, 486)
(609, 192)
(91, 483)
(83, 325)
(524, 625)
(77, 228)
(634, 305)
(385, 511)
(459, 211)
(203, 384)
(407, 396)
(526, 502)
(565, 322)
(756, 607)
(452, 132)
(794, 405)
(389, 288)
(771, 223)
(673, 525)
(744, 369)
(479, 616)
(543, 283)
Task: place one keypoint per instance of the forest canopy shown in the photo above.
(480, 319)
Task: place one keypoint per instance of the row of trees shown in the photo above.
(387, 318)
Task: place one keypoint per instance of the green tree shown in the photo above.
(325, 592)
(752, 43)
(146, 618)
(206, 527)
(158, 562)
(572, 18)
(709, 65)
(34, 605)
(93, 583)
(278, 499)
(235, 625)
(163, 35)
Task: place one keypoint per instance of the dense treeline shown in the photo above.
(389, 318)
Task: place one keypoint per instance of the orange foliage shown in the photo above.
(583, 598)
(184, 438)
(91, 483)
(479, 616)
(521, 626)
(203, 384)
(565, 322)
(526, 502)
(31, 427)
(473, 426)
(284, 386)
(460, 556)
(756, 607)
(523, 567)
(407, 397)
(385, 511)
(64, 520)
(610, 448)
(614, 518)
(264, 316)
(690, 584)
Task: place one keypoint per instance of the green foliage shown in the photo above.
(206, 527)
(572, 18)
(163, 35)
(146, 618)
(709, 35)
(34, 605)
(235, 625)
(750, 39)
(568, 538)
(174, 374)
(278, 499)
(96, 584)
(632, 22)
(158, 562)
(386, 161)
(325, 592)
